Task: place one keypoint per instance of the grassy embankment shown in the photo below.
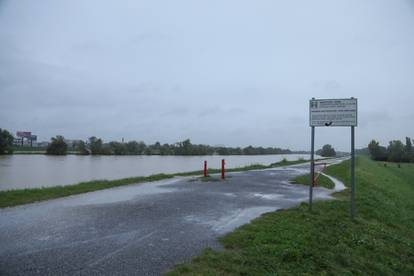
(322, 181)
(24, 196)
(326, 242)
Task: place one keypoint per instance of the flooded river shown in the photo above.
(29, 171)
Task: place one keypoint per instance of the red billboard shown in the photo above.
(24, 134)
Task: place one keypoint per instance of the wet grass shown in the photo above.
(321, 181)
(326, 241)
(24, 196)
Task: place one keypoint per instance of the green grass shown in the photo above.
(322, 181)
(326, 242)
(24, 196)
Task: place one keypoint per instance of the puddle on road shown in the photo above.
(268, 196)
(230, 222)
(339, 186)
(238, 218)
(121, 194)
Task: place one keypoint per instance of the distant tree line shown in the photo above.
(96, 146)
(395, 152)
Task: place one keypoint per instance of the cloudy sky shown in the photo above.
(218, 72)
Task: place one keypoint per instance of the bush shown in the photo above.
(6, 142)
(396, 151)
(326, 151)
(57, 146)
(377, 152)
(82, 148)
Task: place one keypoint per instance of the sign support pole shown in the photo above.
(312, 168)
(352, 172)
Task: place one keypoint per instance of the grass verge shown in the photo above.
(326, 241)
(24, 196)
(322, 181)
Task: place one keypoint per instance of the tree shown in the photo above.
(132, 147)
(82, 148)
(6, 142)
(183, 148)
(118, 148)
(326, 151)
(408, 150)
(249, 150)
(57, 146)
(166, 150)
(395, 151)
(95, 145)
(377, 152)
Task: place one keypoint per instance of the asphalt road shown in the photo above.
(142, 229)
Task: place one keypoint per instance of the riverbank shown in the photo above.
(326, 241)
(23, 196)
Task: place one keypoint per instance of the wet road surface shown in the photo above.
(142, 229)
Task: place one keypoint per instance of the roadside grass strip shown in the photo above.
(322, 181)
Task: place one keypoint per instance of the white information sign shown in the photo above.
(333, 112)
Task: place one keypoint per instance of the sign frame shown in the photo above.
(341, 111)
(312, 164)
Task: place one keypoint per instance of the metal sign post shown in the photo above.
(339, 113)
(352, 172)
(312, 168)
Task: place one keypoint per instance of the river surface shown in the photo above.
(31, 171)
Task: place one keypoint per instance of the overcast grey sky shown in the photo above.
(218, 72)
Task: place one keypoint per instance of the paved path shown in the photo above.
(142, 229)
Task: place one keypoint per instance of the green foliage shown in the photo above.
(82, 148)
(326, 241)
(6, 142)
(95, 145)
(118, 148)
(18, 197)
(396, 151)
(133, 147)
(57, 146)
(408, 151)
(377, 152)
(326, 151)
(322, 181)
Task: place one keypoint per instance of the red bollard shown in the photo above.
(222, 169)
(205, 168)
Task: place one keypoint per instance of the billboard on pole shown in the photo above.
(24, 134)
(333, 112)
